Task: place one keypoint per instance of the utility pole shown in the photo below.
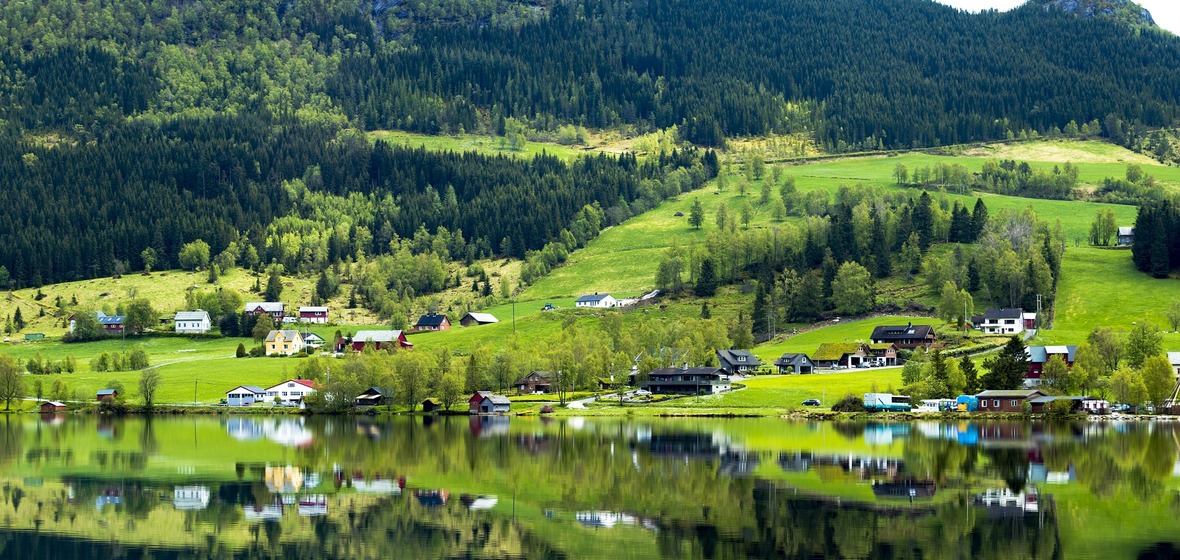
(194, 391)
(513, 315)
(1037, 323)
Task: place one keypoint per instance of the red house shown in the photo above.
(275, 309)
(313, 314)
(380, 340)
(1038, 356)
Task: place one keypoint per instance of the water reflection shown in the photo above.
(521, 487)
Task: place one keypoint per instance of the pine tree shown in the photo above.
(967, 366)
(707, 280)
(1008, 368)
(18, 321)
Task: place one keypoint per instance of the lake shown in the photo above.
(497, 487)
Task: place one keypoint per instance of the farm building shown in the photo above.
(275, 309)
(736, 362)
(313, 314)
(1006, 401)
(842, 354)
(50, 407)
(381, 340)
(686, 380)
(534, 382)
(485, 402)
(794, 363)
(1038, 356)
(432, 322)
(284, 343)
(244, 395)
(596, 300)
(472, 319)
(107, 395)
(1126, 236)
(373, 396)
(905, 337)
(192, 322)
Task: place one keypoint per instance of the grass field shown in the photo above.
(487, 145)
(787, 392)
(843, 331)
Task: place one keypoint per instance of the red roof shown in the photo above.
(305, 382)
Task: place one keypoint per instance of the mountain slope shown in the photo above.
(1121, 10)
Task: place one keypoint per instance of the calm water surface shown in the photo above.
(294, 488)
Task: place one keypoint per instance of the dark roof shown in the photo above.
(903, 332)
(792, 359)
(688, 371)
(1003, 313)
(1017, 394)
(542, 375)
(112, 320)
(373, 391)
(431, 320)
(1041, 400)
(592, 298)
(735, 357)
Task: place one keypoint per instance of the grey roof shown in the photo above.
(1004, 313)
(103, 392)
(1020, 393)
(376, 336)
(1041, 400)
(791, 359)
(104, 319)
(1126, 230)
(735, 357)
(267, 306)
(198, 315)
(496, 399)
(482, 317)
(287, 334)
(309, 337)
(1041, 354)
(313, 309)
(54, 403)
(594, 298)
(1174, 358)
(252, 388)
(689, 371)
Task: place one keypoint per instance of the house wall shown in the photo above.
(192, 327)
(283, 346)
(1008, 404)
(319, 318)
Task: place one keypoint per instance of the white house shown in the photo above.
(1174, 359)
(313, 340)
(190, 498)
(597, 300)
(1000, 321)
(192, 322)
(275, 309)
(245, 395)
(291, 391)
(313, 314)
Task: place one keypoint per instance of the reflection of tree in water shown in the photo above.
(12, 439)
(1011, 465)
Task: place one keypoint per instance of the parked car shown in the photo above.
(811, 402)
(642, 393)
(865, 364)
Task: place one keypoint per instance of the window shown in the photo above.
(985, 403)
(996, 403)
(1015, 403)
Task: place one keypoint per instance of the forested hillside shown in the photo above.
(131, 125)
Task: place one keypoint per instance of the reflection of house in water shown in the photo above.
(313, 505)
(535, 444)
(289, 432)
(478, 503)
(377, 485)
(1005, 503)
(190, 497)
(691, 445)
(432, 498)
(289, 479)
(883, 434)
(609, 519)
(738, 464)
(488, 426)
(257, 512)
(865, 467)
(1038, 472)
(108, 497)
(904, 489)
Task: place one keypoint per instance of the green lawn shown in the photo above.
(487, 145)
(1101, 288)
(789, 391)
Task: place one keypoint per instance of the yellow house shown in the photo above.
(284, 343)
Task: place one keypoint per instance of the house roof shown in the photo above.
(54, 403)
(1049, 399)
(689, 371)
(543, 375)
(1041, 354)
(431, 320)
(881, 346)
(791, 359)
(496, 399)
(902, 332)
(735, 357)
(376, 336)
(372, 391)
(482, 317)
(198, 315)
(252, 388)
(105, 392)
(593, 298)
(1018, 394)
(267, 306)
(287, 334)
(104, 319)
(313, 309)
(1174, 358)
(1003, 313)
(830, 351)
(305, 382)
(1126, 230)
(309, 337)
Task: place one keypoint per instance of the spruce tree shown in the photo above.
(1008, 368)
(707, 281)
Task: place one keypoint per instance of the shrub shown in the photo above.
(241, 353)
(849, 403)
(547, 409)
